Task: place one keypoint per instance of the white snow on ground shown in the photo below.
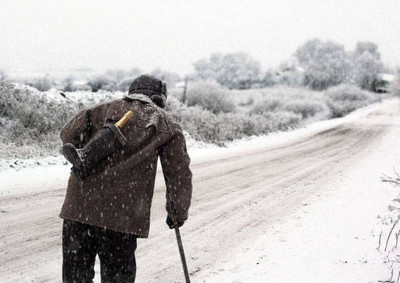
(19, 164)
(84, 97)
(331, 238)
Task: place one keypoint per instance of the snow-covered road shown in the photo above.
(291, 207)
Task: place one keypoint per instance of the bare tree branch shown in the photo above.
(392, 179)
(391, 230)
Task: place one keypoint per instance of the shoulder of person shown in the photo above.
(145, 114)
(151, 114)
(174, 127)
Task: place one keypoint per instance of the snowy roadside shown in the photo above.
(201, 153)
(12, 170)
(18, 164)
(333, 237)
(35, 154)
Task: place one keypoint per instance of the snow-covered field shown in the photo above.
(300, 206)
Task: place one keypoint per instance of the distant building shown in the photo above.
(381, 85)
(289, 73)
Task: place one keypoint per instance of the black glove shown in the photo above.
(171, 224)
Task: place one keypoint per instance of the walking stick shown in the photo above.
(180, 245)
(182, 253)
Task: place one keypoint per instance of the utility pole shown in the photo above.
(184, 91)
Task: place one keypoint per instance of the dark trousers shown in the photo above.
(81, 244)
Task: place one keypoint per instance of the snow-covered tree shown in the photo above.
(267, 79)
(102, 82)
(68, 83)
(134, 73)
(170, 78)
(234, 70)
(366, 64)
(325, 63)
(125, 82)
(116, 75)
(42, 84)
(306, 53)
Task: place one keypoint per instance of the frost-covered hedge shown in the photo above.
(30, 121)
(346, 98)
(207, 126)
(210, 96)
(315, 105)
(35, 112)
(304, 108)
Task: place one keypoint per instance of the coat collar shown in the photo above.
(138, 96)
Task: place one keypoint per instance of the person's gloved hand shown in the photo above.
(171, 224)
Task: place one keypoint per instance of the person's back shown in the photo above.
(117, 195)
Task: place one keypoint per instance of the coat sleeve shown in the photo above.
(178, 177)
(78, 130)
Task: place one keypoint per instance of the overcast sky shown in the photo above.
(51, 36)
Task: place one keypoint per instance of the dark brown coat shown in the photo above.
(119, 196)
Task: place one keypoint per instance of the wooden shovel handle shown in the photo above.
(128, 115)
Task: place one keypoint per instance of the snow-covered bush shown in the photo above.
(113, 80)
(119, 79)
(248, 102)
(305, 106)
(42, 84)
(210, 96)
(68, 84)
(207, 126)
(33, 111)
(267, 105)
(102, 82)
(170, 78)
(27, 117)
(346, 98)
(124, 84)
(395, 85)
(30, 120)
